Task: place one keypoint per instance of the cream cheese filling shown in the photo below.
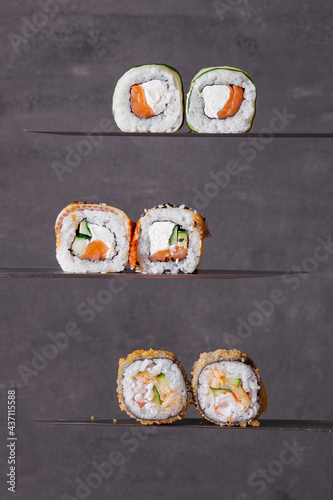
(215, 97)
(156, 94)
(159, 236)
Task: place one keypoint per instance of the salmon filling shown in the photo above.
(175, 253)
(139, 104)
(168, 241)
(95, 250)
(233, 104)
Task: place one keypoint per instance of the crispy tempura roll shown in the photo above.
(168, 239)
(149, 98)
(227, 388)
(221, 100)
(152, 387)
(93, 238)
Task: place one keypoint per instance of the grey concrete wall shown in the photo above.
(268, 216)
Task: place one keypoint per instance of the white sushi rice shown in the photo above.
(233, 411)
(175, 215)
(134, 391)
(201, 98)
(117, 240)
(167, 105)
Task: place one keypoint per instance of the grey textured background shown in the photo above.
(269, 216)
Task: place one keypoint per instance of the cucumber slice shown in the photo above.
(162, 380)
(157, 398)
(78, 245)
(233, 381)
(218, 390)
(182, 238)
(84, 229)
(174, 236)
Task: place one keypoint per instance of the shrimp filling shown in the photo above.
(228, 391)
(149, 99)
(93, 242)
(222, 101)
(155, 389)
(168, 241)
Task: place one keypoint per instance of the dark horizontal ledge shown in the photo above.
(55, 272)
(300, 135)
(195, 423)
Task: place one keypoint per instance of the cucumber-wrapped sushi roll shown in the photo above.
(152, 387)
(93, 238)
(227, 388)
(168, 239)
(149, 98)
(221, 100)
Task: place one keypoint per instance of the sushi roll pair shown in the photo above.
(150, 98)
(99, 238)
(226, 388)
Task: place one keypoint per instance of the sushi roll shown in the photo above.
(149, 98)
(227, 388)
(168, 239)
(92, 238)
(221, 100)
(152, 387)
